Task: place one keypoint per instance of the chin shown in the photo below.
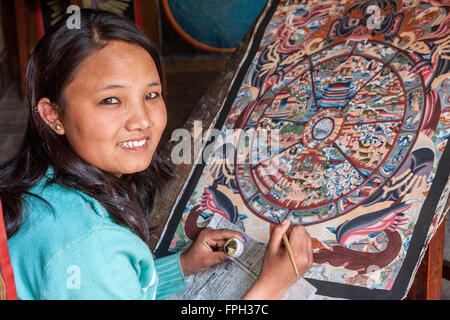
(135, 168)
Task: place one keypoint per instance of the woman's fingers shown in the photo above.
(299, 238)
(219, 257)
(276, 237)
(309, 242)
(298, 234)
(217, 238)
(222, 234)
(207, 250)
(302, 246)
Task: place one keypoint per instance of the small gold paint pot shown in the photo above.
(233, 247)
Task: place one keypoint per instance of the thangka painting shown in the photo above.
(338, 119)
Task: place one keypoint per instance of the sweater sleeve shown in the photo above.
(171, 277)
(108, 263)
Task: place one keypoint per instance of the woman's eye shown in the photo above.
(152, 95)
(110, 100)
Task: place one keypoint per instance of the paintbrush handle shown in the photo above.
(291, 256)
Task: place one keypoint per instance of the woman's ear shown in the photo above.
(50, 113)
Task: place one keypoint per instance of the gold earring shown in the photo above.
(57, 127)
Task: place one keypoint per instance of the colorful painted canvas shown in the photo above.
(337, 119)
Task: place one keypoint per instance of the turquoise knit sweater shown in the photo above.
(77, 251)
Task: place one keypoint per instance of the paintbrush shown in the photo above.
(288, 247)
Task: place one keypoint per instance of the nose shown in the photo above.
(138, 117)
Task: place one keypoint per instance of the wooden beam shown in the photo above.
(428, 281)
(77, 3)
(150, 20)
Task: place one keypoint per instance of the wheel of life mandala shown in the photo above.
(330, 134)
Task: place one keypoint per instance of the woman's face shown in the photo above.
(114, 113)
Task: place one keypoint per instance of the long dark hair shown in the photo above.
(52, 66)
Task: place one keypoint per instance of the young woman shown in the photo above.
(78, 194)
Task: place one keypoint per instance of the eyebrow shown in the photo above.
(115, 86)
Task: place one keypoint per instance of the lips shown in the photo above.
(134, 145)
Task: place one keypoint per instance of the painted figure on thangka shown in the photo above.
(343, 116)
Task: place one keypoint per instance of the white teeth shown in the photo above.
(132, 144)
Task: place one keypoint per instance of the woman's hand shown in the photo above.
(207, 250)
(277, 273)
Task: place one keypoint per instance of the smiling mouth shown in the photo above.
(134, 145)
